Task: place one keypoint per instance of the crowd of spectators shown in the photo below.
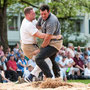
(74, 64)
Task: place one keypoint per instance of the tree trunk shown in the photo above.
(3, 26)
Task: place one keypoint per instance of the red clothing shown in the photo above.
(78, 62)
(12, 64)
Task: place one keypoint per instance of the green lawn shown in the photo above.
(81, 81)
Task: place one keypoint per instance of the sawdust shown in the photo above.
(48, 84)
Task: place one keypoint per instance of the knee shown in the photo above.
(38, 60)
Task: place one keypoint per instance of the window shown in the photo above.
(13, 24)
(89, 26)
(78, 26)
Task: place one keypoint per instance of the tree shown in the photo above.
(67, 12)
(3, 17)
(3, 23)
(63, 9)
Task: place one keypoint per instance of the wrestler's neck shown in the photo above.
(29, 19)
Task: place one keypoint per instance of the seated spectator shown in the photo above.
(16, 58)
(11, 72)
(89, 51)
(86, 59)
(7, 56)
(1, 51)
(16, 48)
(27, 71)
(70, 49)
(32, 62)
(62, 65)
(58, 57)
(86, 50)
(79, 65)
(87, 71)
(2, 77)
(2, 63)
(19, 52)
(22, 63)
(9, 51)
(79, 50)
(69, 62)
(12, 52)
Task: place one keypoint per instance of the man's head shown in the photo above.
(29, 13)
(44, 11)
(70, 45)
(64, 58)
(77, 55)
(86, 55)
(30, 68)
(11, 57)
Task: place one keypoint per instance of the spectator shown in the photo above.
(58, 57)
(2, 77)
(7, 56)
(86, 49)
(62, 65)
(16, 48)
(27, 71)
(12, 52)
(78, 63)
(89, 51)
(79, 50)
(1, 51)
(19, 52)
(16, 58)
(87, 71)
(32, 62)
(69, 62)
(22, 64)
(11, 72)
(70, 49)
(85, 59)
(2, 63)
(9, 51)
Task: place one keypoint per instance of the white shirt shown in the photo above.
(26, 73)
(27, 31)
(87, 72)
(63, 63)
(69, 61)
(31, 62)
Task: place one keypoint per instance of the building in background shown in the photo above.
(13, 27)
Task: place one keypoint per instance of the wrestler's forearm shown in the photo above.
(46, 41)
(56, 37)
(39, 35)
(43, 35)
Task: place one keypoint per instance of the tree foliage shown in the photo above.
(68, 12)
(4, 4)
(63, 9)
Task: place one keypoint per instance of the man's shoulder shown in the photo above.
(53, 17)
(26, 23)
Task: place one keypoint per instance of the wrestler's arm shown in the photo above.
(46, 40)
(43, 35)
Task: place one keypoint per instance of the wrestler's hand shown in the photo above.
(59, 37)
(36, 51)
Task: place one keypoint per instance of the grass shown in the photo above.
(81, 81)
